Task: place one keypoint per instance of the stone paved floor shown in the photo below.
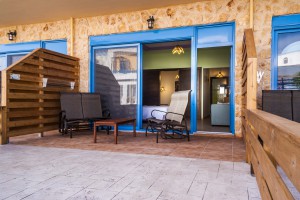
(204, 147)
(28, 172)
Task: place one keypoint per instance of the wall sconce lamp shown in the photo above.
(11, 35)
(150, 22)
(162, 89)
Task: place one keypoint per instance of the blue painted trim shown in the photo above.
(274, 60)
(194, 78)
(232, 90)
(280, 25)
(285, 20)
(150, 36)
(24, 47)
(210, 45)
(19, 47)
(92, 69)
(139, 116)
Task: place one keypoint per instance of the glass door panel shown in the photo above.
(115, 78)
(288, 61)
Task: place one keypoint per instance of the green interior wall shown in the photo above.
(207, 58)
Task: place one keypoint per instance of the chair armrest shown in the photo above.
(157, 111)
(173, 113)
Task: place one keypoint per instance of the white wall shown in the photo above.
(167, 80)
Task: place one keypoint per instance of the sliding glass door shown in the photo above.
(115, 75)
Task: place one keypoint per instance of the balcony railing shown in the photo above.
(271, 141)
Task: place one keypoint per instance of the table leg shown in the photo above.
(134, 128)
(116, 133)
(95, 133)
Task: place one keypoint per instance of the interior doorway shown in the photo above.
(165, 71)
(213, 90)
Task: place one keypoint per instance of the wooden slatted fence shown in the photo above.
(271, 141)
(31, 89)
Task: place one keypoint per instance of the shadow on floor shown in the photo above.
(204, 147)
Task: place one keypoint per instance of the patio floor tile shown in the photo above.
(88, 174)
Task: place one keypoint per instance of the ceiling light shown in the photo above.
(177, 50)
(220, 75)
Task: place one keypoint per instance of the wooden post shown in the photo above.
(251, 83)
(3, 138)
(41, 93)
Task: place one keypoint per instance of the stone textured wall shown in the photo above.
(264, 10)
(204, 12)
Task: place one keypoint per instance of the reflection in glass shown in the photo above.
(289, 61)
(116, 80)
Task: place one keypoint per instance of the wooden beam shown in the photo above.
(72, 36)
(251, 15)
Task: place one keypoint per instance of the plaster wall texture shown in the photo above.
(204, 12)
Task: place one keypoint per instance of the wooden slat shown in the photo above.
(244, 68)
(46, 72)
(262, 185)
(244, 91)
(282, 137)
(55, 58)
(30, 122)
(26, 131)
(32, 104)
(59, 54)
(32, 96)
(26, 113)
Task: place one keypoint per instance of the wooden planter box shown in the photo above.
(284, 103)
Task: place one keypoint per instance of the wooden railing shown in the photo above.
(31, 91)
(271, 141)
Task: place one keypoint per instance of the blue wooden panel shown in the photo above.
(19, 47)
(152, 36)
(56, 45)
(194, 77)
(139, 116)
(215, 35)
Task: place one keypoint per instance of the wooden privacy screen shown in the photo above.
(31, 92)
(271, 141)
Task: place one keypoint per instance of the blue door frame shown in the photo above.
(165, 35)
(280, 25)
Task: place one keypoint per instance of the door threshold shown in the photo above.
(214, 134)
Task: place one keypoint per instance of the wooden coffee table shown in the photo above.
(115, 123)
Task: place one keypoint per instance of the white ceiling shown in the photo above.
(17, 12)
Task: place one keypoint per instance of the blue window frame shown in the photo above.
(285, 63)
(225, 36)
